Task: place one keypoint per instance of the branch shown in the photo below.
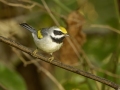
(39, 67)
(2, 87)
(59, 64)
(106, 27)
(18, 5)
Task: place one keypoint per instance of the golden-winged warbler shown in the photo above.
(49, 39)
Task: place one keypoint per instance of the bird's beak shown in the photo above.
(66, 35)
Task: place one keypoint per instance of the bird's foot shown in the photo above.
(35, 51)
(51, 59)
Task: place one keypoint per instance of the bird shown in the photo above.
(48, 39)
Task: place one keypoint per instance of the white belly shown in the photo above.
(46, 44)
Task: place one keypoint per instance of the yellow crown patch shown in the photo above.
(63, 30)
(39, 35)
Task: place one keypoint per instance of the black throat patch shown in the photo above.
(57, 40)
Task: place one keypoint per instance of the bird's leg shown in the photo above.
(35, 51)
(51, 58)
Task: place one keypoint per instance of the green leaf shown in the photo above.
(11, 79)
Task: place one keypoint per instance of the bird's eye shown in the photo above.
(57, 32)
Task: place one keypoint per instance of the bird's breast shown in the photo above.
(46, 44)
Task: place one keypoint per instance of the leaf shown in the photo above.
(11, 79)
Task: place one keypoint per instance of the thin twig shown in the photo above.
(18, 5)
(39, 67)
(97, 68)
(2, 87)
(106, 27)
(59, 64)
(49, 12)
(49, 75)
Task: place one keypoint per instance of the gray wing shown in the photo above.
(28, 27)
(45, 32)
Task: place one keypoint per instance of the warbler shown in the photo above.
(49, 39)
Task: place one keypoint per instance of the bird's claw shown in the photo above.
(35, 51)
(51, 59)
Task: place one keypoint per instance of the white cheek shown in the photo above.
(52, 35)
(57, 36)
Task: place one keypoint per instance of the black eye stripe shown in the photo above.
(57, 32)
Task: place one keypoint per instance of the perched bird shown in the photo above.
(48, 40)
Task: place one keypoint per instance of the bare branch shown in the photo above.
(39, 67)
(49, 12)
(3, 87)
(59, 64)
(106, 27)
(18, 5)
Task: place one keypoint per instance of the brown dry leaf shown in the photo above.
(75, 22)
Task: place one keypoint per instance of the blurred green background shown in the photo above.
(99, 23)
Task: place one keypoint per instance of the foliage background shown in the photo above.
(98, 43)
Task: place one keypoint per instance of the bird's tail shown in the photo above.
(28, 27)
